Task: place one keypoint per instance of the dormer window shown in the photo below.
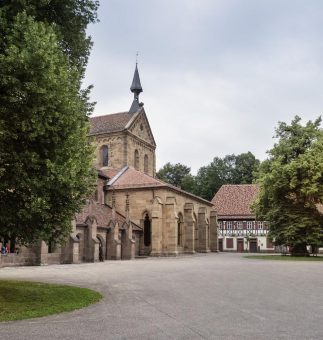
(105, 155)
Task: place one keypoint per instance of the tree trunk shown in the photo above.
(299, 249)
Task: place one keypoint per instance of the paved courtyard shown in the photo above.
(213, 296)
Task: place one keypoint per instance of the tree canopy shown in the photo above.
(45, 155)
(291, 182)
(173, 174)
(231, 169)
(69, 19)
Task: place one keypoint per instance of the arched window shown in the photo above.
(136, 159)
(147, 231)
(105, 155)
(146, 164)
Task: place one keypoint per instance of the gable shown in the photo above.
(140, 128)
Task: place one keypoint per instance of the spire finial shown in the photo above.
(136, 89)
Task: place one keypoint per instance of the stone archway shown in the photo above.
(196, 233)
(123, 240)
(147, 230)
(102, 248)
(80, 237)
(146, 240)
(109, 244)
(180, 231)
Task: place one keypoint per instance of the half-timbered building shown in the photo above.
(238, 228)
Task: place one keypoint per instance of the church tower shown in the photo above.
(125, 138)
(136, 89)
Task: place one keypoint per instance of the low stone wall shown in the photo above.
(11, 260)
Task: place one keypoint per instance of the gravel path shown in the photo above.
(212, 296)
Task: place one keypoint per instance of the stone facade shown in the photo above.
(132, 144)
(131, 212)
(178, 222)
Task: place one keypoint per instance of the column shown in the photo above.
(189, 229)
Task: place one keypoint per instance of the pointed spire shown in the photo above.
(136, 89)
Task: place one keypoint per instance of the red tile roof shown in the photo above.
(130, 178)
(109, 123)
(234, 201)
(102, 213)
(109, 173)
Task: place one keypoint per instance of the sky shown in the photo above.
(217, 75)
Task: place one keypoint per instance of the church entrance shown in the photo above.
(80, 236)
(147, 231)
(101, 248)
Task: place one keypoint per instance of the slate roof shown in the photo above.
(234, 201)
(103, 215)
(110, 123)
(130, 178)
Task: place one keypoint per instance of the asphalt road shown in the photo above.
(213, 296)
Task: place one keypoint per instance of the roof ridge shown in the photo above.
(110, 114)
(112, 180)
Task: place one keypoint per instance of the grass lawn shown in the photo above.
(284, 257)
(24, 300)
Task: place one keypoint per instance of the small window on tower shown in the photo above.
(146, 164)
(105, 155)
(136, 160)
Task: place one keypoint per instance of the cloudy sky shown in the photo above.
(217, 75)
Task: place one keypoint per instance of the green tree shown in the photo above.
(291, 182)
(210, 178)
(245, 166)
(69, 19)
(45, 156)
(231, 169)
(174, 174)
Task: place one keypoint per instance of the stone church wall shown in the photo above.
(143, 149)
(168, 212)
(116, 145)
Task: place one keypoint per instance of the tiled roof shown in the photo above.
(102, 213)
(109, 123)
(235, 200)
(130, 178)
(109, 173)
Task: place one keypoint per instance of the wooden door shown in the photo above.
(240, 245)
(253, 246)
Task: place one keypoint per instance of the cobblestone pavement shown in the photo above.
(212, 296)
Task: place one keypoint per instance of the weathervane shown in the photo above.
(137, 57)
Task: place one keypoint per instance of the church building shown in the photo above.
(131, 213)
